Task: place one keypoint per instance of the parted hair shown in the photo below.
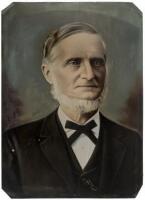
(63, 32)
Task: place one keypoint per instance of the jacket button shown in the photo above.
(85, 181)
(93, 188)
(89, 183)
(13, 150)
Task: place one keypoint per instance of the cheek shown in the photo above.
(101, 75)
(62, 79)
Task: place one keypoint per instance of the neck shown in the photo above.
(78, 117)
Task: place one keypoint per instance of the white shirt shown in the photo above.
(83, 147)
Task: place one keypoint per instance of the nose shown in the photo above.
(87, 71)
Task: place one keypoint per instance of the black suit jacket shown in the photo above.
(36, 162)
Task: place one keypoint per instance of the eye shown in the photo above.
(97, 62)
(74, 61)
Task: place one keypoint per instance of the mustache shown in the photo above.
(84, 85)
(88, 84)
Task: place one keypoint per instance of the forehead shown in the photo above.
(80, 44)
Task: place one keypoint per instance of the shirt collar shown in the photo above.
(63, 118)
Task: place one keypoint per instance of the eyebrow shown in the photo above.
(98, 57)
(80, 58)
(73, 58)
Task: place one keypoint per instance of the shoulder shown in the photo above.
(28, 131)
(120, 132)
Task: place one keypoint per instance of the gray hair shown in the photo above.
(63, 32)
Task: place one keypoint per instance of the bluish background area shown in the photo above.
(26, 96)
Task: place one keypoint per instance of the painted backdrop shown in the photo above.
(25, 93)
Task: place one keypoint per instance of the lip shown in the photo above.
(94, 86)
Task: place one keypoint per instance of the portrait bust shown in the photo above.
(76, 150)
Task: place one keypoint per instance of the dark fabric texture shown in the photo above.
(38, 162)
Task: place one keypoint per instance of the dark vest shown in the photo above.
(84, 181)
(43, 165)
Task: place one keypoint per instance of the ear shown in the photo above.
(46, 72)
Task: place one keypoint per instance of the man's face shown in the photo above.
(78, 66)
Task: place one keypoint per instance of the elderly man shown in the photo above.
(75, 151)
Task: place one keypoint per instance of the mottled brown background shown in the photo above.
(25, 93)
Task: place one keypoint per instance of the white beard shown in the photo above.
(81, 106)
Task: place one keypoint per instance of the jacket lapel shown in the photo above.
(54, 148)
(113, 152)
(111, 148)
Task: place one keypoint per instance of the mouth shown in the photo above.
(92, 86)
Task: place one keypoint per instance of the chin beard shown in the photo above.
(81, 106)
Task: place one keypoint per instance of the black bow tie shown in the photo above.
(86, 129)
